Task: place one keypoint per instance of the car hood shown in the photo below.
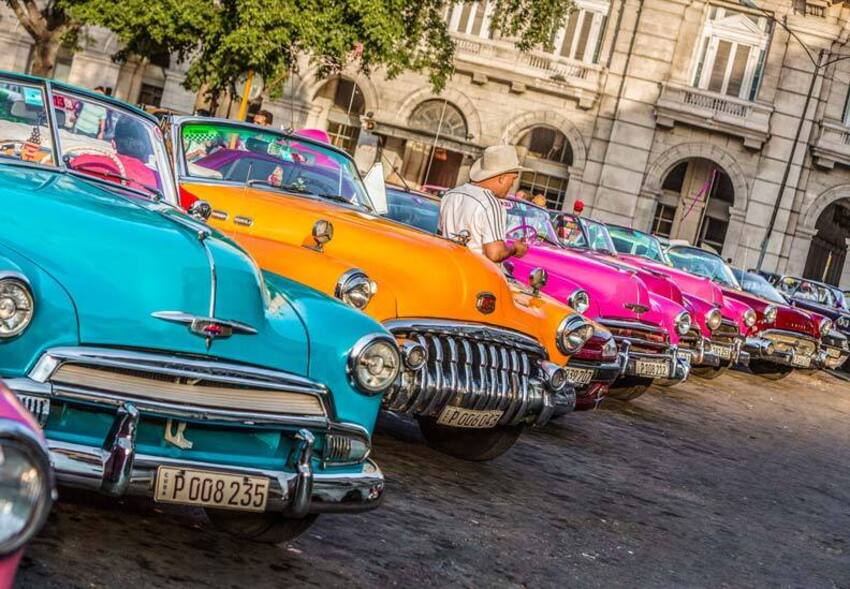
(657, 282)
(688, 283)
(787, 317)
(121, 259)
(418, 275)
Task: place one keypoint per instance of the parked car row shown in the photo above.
(211, 313)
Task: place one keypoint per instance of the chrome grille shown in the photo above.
(474, 367)
(791, 342)
(726, 333)
(642, 337)
(173, 385)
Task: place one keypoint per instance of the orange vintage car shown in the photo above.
(492, 351)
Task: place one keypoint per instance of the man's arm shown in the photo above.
(499, 251)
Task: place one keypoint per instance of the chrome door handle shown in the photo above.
(240, 220)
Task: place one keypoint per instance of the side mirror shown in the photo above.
(377, 189)
(200, 210)
(323, 232)
(537, 279)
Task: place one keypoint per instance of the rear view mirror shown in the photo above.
(377, 189)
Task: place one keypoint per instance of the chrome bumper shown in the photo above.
(679, 366)
(116, 468)
(825, 360)
(603, 372)
(760, 348)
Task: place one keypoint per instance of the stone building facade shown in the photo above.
(684, 117)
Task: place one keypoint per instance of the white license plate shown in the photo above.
(801, 361)
(39, 407)
(211, 489)
(470, 418)
(653, 368)
(579, 376)
(724, 352)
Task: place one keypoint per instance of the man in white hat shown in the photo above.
(474, 207)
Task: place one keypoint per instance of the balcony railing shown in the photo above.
(832, 145)
(717, 112)
(495, 58)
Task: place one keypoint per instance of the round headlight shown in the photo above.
(25, 493)
(579, 300)
(683, 322)
(770, 313)
(713, 319)
(374, 363)
(573, 333)
(750, 317)
(16, 306)
(355, 289)
(825, 326)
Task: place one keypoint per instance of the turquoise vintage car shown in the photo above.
(156, 355)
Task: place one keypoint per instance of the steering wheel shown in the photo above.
(114, 166)
(17, 145)
(526, 232)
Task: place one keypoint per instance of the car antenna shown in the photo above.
(397, 173)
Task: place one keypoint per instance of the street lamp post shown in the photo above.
(819, 64)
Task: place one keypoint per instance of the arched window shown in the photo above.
(548, 153)
(347, 106)
(440, 117)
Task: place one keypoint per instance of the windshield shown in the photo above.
(756, 284)
(703, 263)
(629, 241)
(810, 291)
(522, 218)
(597, 233)
(569, 231)
(413, 209)
(98, 139)
(102, 140)
(264, 157)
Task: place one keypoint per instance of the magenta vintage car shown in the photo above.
(649, 326)
(783, 338)
(26, 483)
(728, 319)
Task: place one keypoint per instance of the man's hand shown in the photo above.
(520, 248)
(499, 251)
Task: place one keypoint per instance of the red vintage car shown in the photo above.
(783, 337)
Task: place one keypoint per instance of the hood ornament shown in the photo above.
(209, 328)
(638, 309)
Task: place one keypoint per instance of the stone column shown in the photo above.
(800, 250)
(175, 96)
(844, 281)
(733, 236)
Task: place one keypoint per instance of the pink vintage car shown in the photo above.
(26, 480)
(728, 319)
(649, 326)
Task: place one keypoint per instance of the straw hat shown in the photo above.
(496, 160)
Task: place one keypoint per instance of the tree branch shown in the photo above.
(30, 18)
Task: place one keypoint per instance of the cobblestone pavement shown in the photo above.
(737, 482)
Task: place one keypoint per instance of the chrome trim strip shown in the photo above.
(471, 330)
(627, 324)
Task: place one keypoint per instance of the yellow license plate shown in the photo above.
(652, 368)
(724, 352)
(469, 418)
(211, 489)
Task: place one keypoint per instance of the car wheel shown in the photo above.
(769, 370)
(469, 444)
(630, 387)
(708, 372)
(266, 528)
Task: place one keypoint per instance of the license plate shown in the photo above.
(579, 376)
(211, 489)
(653, 368)
(470, 418)
(39, 407)
(724, 352)
(801, 361)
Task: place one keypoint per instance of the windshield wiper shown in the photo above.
(151, 191)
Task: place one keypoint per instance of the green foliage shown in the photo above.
(225, 38)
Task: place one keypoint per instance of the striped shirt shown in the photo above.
(476, 210)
